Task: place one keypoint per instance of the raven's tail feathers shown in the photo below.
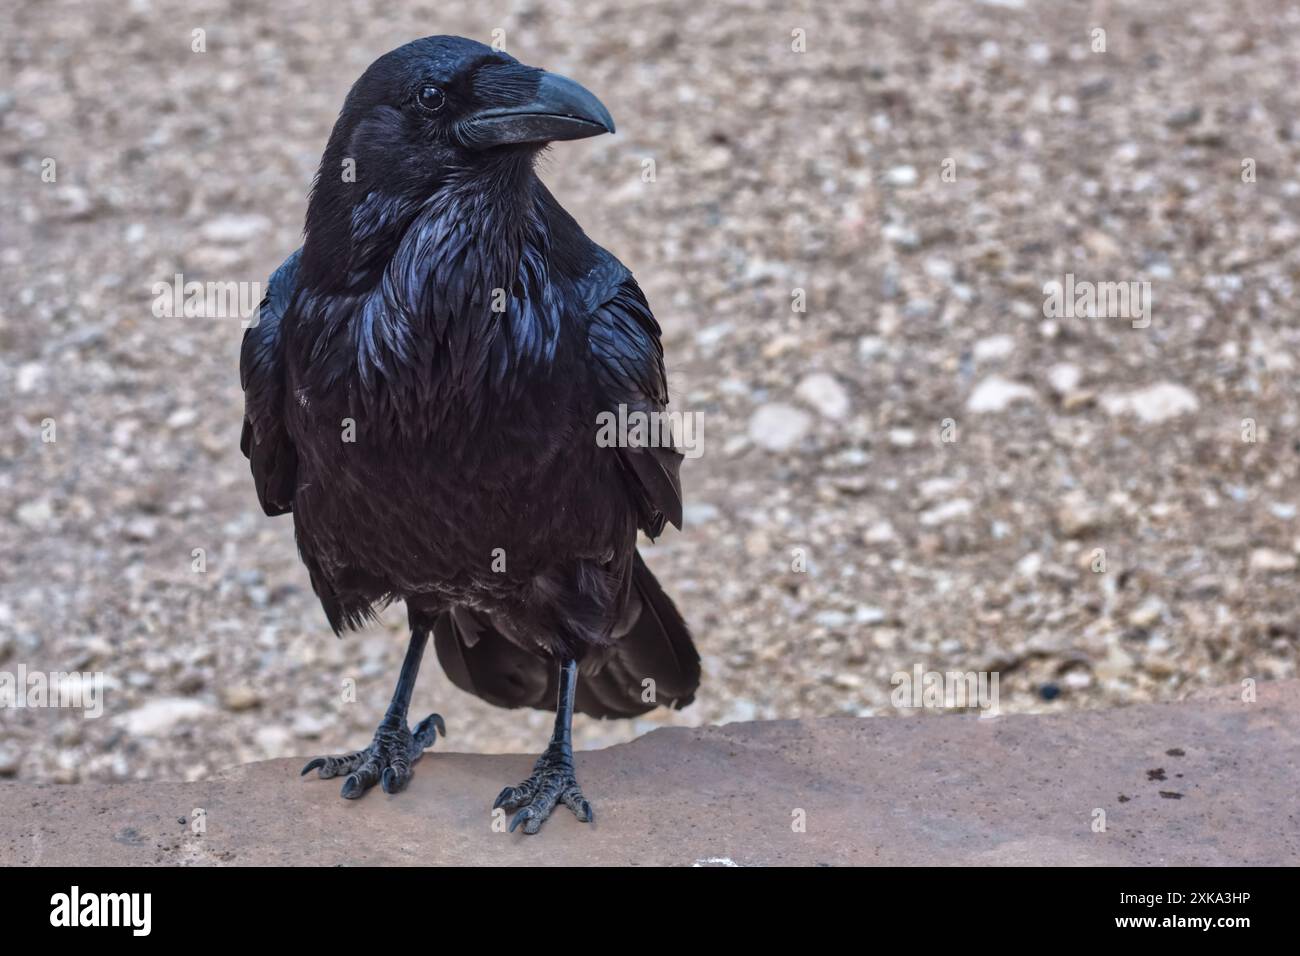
(651, 663)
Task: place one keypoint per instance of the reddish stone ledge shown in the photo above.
(1209, 780)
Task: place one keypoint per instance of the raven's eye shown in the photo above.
(431, 99)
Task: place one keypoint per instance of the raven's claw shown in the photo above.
(387, 761)
(552, 782)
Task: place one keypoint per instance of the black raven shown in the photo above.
(422, 391)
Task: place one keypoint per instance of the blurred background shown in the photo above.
(920, 169)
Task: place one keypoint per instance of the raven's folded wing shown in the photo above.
(629, 363)
(264, 441)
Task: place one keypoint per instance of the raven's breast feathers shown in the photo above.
(469, 311)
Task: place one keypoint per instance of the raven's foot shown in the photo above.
(386, 761)
(552, 782)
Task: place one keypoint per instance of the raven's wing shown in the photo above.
(629, 365)
(264, 441)
(651, 640)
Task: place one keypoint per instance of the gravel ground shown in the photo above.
(1077, 503)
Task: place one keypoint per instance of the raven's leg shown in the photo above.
(552, 780)
(389, 757)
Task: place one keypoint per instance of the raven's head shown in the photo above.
(441, 108)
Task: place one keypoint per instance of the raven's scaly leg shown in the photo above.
(552, 780)
(390, 755)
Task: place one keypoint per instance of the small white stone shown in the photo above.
(1078, 679)
(900, 235)
(1117, 664)
(29, 373)
(995, 394)
(866, 614)
(831, 619)
(182, 418)
(1029, 565)
(778, 427)
(901, 176)
(234, 228)
(1268, 561)
(948, 511)
(10, 759)
(1153, 404)
(882, 532)
(934, 488)
(309, 726)
(699, 513)
(994, 347)
(825, 394)
(741, 711)
(1077, 516)
(159, 716)
(141, 528)
(241, 697)
(35, 514)
(1148, 613)
(870, 346)
(273, 740)
(1064, 378)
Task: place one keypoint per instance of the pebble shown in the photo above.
(35, 514)
(825, 394)
(1148, 613)
(310, 726)
(1076, 516)
(831, 619)
(29, 374)
(948, 511)
(1116, 665)
(272, 739)
(902, 176)
(868, 615)
(182, 418)
(1064, 378)
(993, 348)
(10, 760)
(1153, 404)
(778, 427)
(902, 236)
(997, 394)
(161, 715)
(234, 228)
(241, 697)
(934, 488)
(1029, 565)
(1268, 561)
(141, 528)
(882, 532)
(698, 513)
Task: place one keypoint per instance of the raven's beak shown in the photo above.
(561, 110)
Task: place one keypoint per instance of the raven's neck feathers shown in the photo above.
(452, 295)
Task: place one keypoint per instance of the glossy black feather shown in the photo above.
(264, 441)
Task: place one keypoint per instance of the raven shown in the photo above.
(422, 390)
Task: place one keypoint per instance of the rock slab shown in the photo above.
(1205, 781)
